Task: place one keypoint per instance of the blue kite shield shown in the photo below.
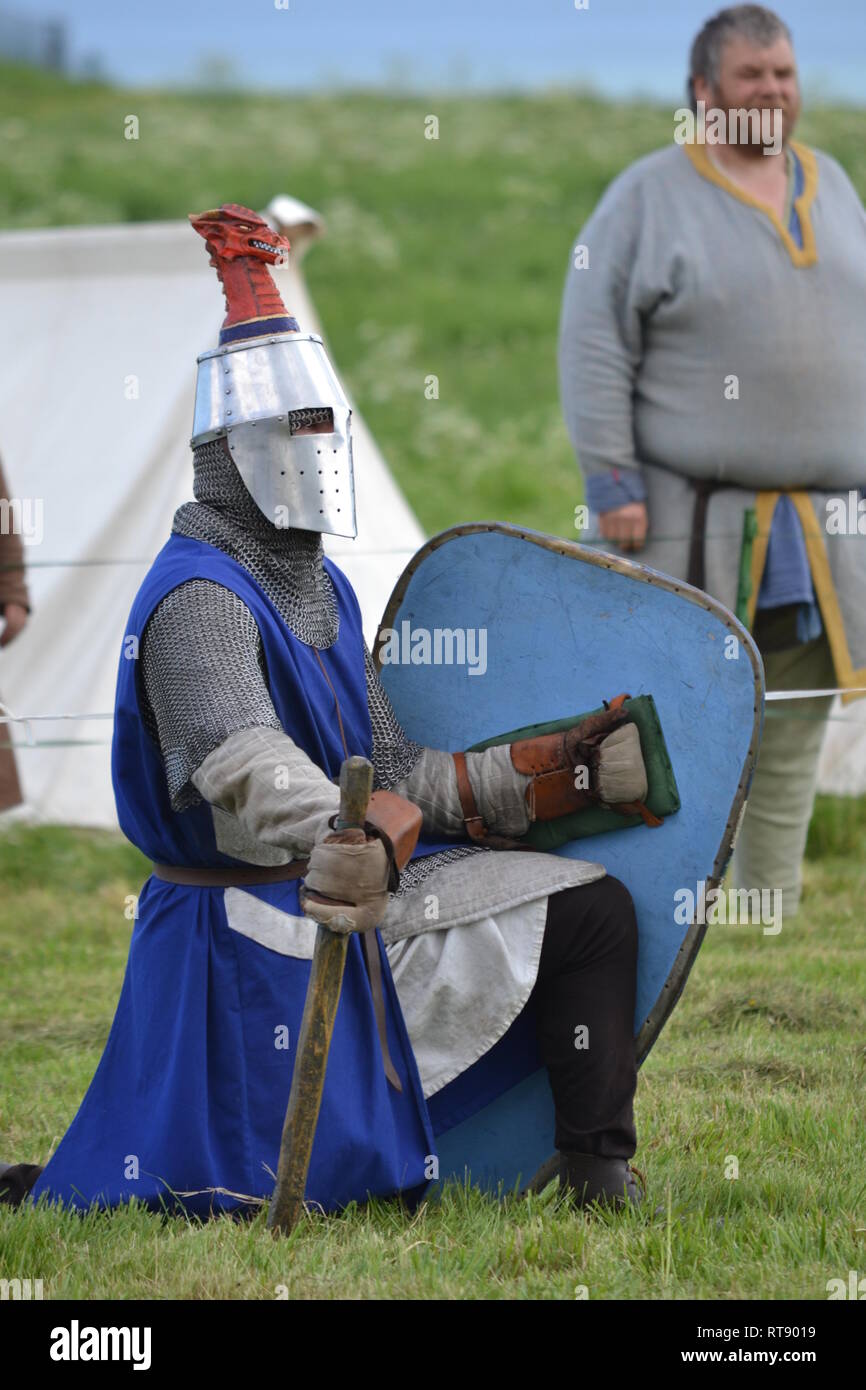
(503, 628)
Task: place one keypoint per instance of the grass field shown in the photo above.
(763, 1059)
(443, 257)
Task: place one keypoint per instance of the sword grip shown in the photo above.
(356, 786)
(317, 1026)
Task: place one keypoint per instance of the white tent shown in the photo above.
(100, 329)
(842, 769)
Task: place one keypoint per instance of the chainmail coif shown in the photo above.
(285, 561)
(191, 705)
(222, 685)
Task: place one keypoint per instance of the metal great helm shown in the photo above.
(270, 390)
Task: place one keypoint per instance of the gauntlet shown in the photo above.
(346, 883)
(351, 872)
(596, 762)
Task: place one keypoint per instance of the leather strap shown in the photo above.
(702, 489)
(374, 970)
(636, 808)
(475, 827)
(553, 794)
(401, 820)
(232, 875)
(541, 755)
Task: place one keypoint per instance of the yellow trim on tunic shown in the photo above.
(765, 502)
(800, 256)
(819, 566)
(765, 507)
(825, 592)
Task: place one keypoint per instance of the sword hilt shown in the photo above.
(356, 786)
(317, 1026)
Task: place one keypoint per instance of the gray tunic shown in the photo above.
(700, 342)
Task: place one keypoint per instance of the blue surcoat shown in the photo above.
(187, 1104)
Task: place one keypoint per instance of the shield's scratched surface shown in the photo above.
(552, 628)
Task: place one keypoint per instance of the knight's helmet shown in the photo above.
(269, 390)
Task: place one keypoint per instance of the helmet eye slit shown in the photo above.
(311, 420)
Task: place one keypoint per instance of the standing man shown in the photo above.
(711, 357)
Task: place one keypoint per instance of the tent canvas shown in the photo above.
(842, 768)
(101, 327)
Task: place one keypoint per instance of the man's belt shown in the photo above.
(703, 489)
(233, 876)
(236, 876)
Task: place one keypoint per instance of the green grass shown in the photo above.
(764, 1059)
(444, 257)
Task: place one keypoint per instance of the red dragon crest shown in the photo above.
(242, 246)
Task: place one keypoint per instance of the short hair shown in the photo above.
(753, 22)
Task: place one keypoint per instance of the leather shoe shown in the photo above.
(611, 1182)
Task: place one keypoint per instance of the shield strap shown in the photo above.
(475, 827)
(549, 761)
(374, 970)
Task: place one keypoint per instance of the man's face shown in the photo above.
(756, 78)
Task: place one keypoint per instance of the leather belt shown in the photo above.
(703, 489)
(237, 876)
(234, 876)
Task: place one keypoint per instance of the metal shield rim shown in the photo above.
(603, 559)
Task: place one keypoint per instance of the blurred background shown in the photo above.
(441, 160)
(442, 256)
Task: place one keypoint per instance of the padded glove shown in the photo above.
(346, 884)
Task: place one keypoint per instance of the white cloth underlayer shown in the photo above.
(463, 947)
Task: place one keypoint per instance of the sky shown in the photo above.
(619, 47)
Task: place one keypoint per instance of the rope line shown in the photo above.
(106, 743)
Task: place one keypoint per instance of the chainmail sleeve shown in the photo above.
(395, 758)
(201, 679)
(394, 753)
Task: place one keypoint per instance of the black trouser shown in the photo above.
(586, 981)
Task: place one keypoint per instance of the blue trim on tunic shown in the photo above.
(607, 491)
(787, 574)
(794, 226)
